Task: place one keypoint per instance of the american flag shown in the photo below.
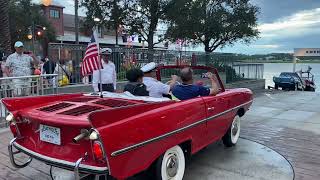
(91, 60)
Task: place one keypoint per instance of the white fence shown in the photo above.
(25, 86)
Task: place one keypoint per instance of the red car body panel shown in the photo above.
(133, 133)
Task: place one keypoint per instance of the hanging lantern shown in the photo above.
(46, 2)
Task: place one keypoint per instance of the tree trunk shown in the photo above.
(150, 46)
(150, 41)
(208, 51)
(117, 34)
(76, 20)
(5, 40)
(207, 46)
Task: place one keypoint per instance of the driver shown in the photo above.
(156, 88)
(188, 90)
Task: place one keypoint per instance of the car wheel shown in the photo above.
(232, 135)
(171, 164)
(276, 86)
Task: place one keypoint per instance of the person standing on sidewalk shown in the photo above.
(20, 64)
(108, 73)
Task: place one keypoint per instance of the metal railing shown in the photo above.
(249, 70)
(126, 58)
(25, 86)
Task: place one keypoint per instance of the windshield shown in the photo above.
(199, 75)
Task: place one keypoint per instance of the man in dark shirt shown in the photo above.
(188, 90)
(48, 67)
(135, 85)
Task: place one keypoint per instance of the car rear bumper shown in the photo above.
(76, 167)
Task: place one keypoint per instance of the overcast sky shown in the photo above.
(284, 25)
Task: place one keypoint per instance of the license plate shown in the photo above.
(50, 134)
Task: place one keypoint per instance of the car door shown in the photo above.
(193, 112)
(217, 107)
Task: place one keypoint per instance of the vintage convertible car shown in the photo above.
(120, 135)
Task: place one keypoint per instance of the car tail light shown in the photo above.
(97, 150)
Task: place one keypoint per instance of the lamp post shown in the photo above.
(96, 26)
(32, 35)
(76, 20)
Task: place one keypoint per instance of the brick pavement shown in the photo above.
(35, 171)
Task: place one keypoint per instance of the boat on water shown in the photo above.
(308, 79)
(301, 80)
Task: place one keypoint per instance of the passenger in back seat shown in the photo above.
(135, 85)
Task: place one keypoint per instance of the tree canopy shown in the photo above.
(143, 18)
(110, 12)
(139, 17)
(213, 23)
(22, 14)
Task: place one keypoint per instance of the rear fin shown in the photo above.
(14, 104)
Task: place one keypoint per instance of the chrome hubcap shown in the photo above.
(172, 165)
(235, 127)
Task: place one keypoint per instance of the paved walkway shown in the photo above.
(287, 122)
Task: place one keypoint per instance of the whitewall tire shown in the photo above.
(171, 165)
(232, 135)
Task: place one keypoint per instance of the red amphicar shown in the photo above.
(121, 135)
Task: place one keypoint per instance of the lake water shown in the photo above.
(274, 69)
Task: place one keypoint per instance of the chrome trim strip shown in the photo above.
(135, 146)
(89, 167)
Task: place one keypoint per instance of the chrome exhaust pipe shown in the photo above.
(84, 133)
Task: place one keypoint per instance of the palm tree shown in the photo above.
(5, 40)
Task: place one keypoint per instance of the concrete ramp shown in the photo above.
(246, 161)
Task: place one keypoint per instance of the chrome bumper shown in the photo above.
(11, 155)
(76, 167)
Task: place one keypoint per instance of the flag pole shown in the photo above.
(99, 57)
(100, 77)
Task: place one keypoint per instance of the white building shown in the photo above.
(306, 52)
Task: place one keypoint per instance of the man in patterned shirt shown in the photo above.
(19, 64)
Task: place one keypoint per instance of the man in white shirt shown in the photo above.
(156, 88)
(108, 73)
(20, 64)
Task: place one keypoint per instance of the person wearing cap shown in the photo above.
(108, 73)
(156, 88)
(20, 64)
